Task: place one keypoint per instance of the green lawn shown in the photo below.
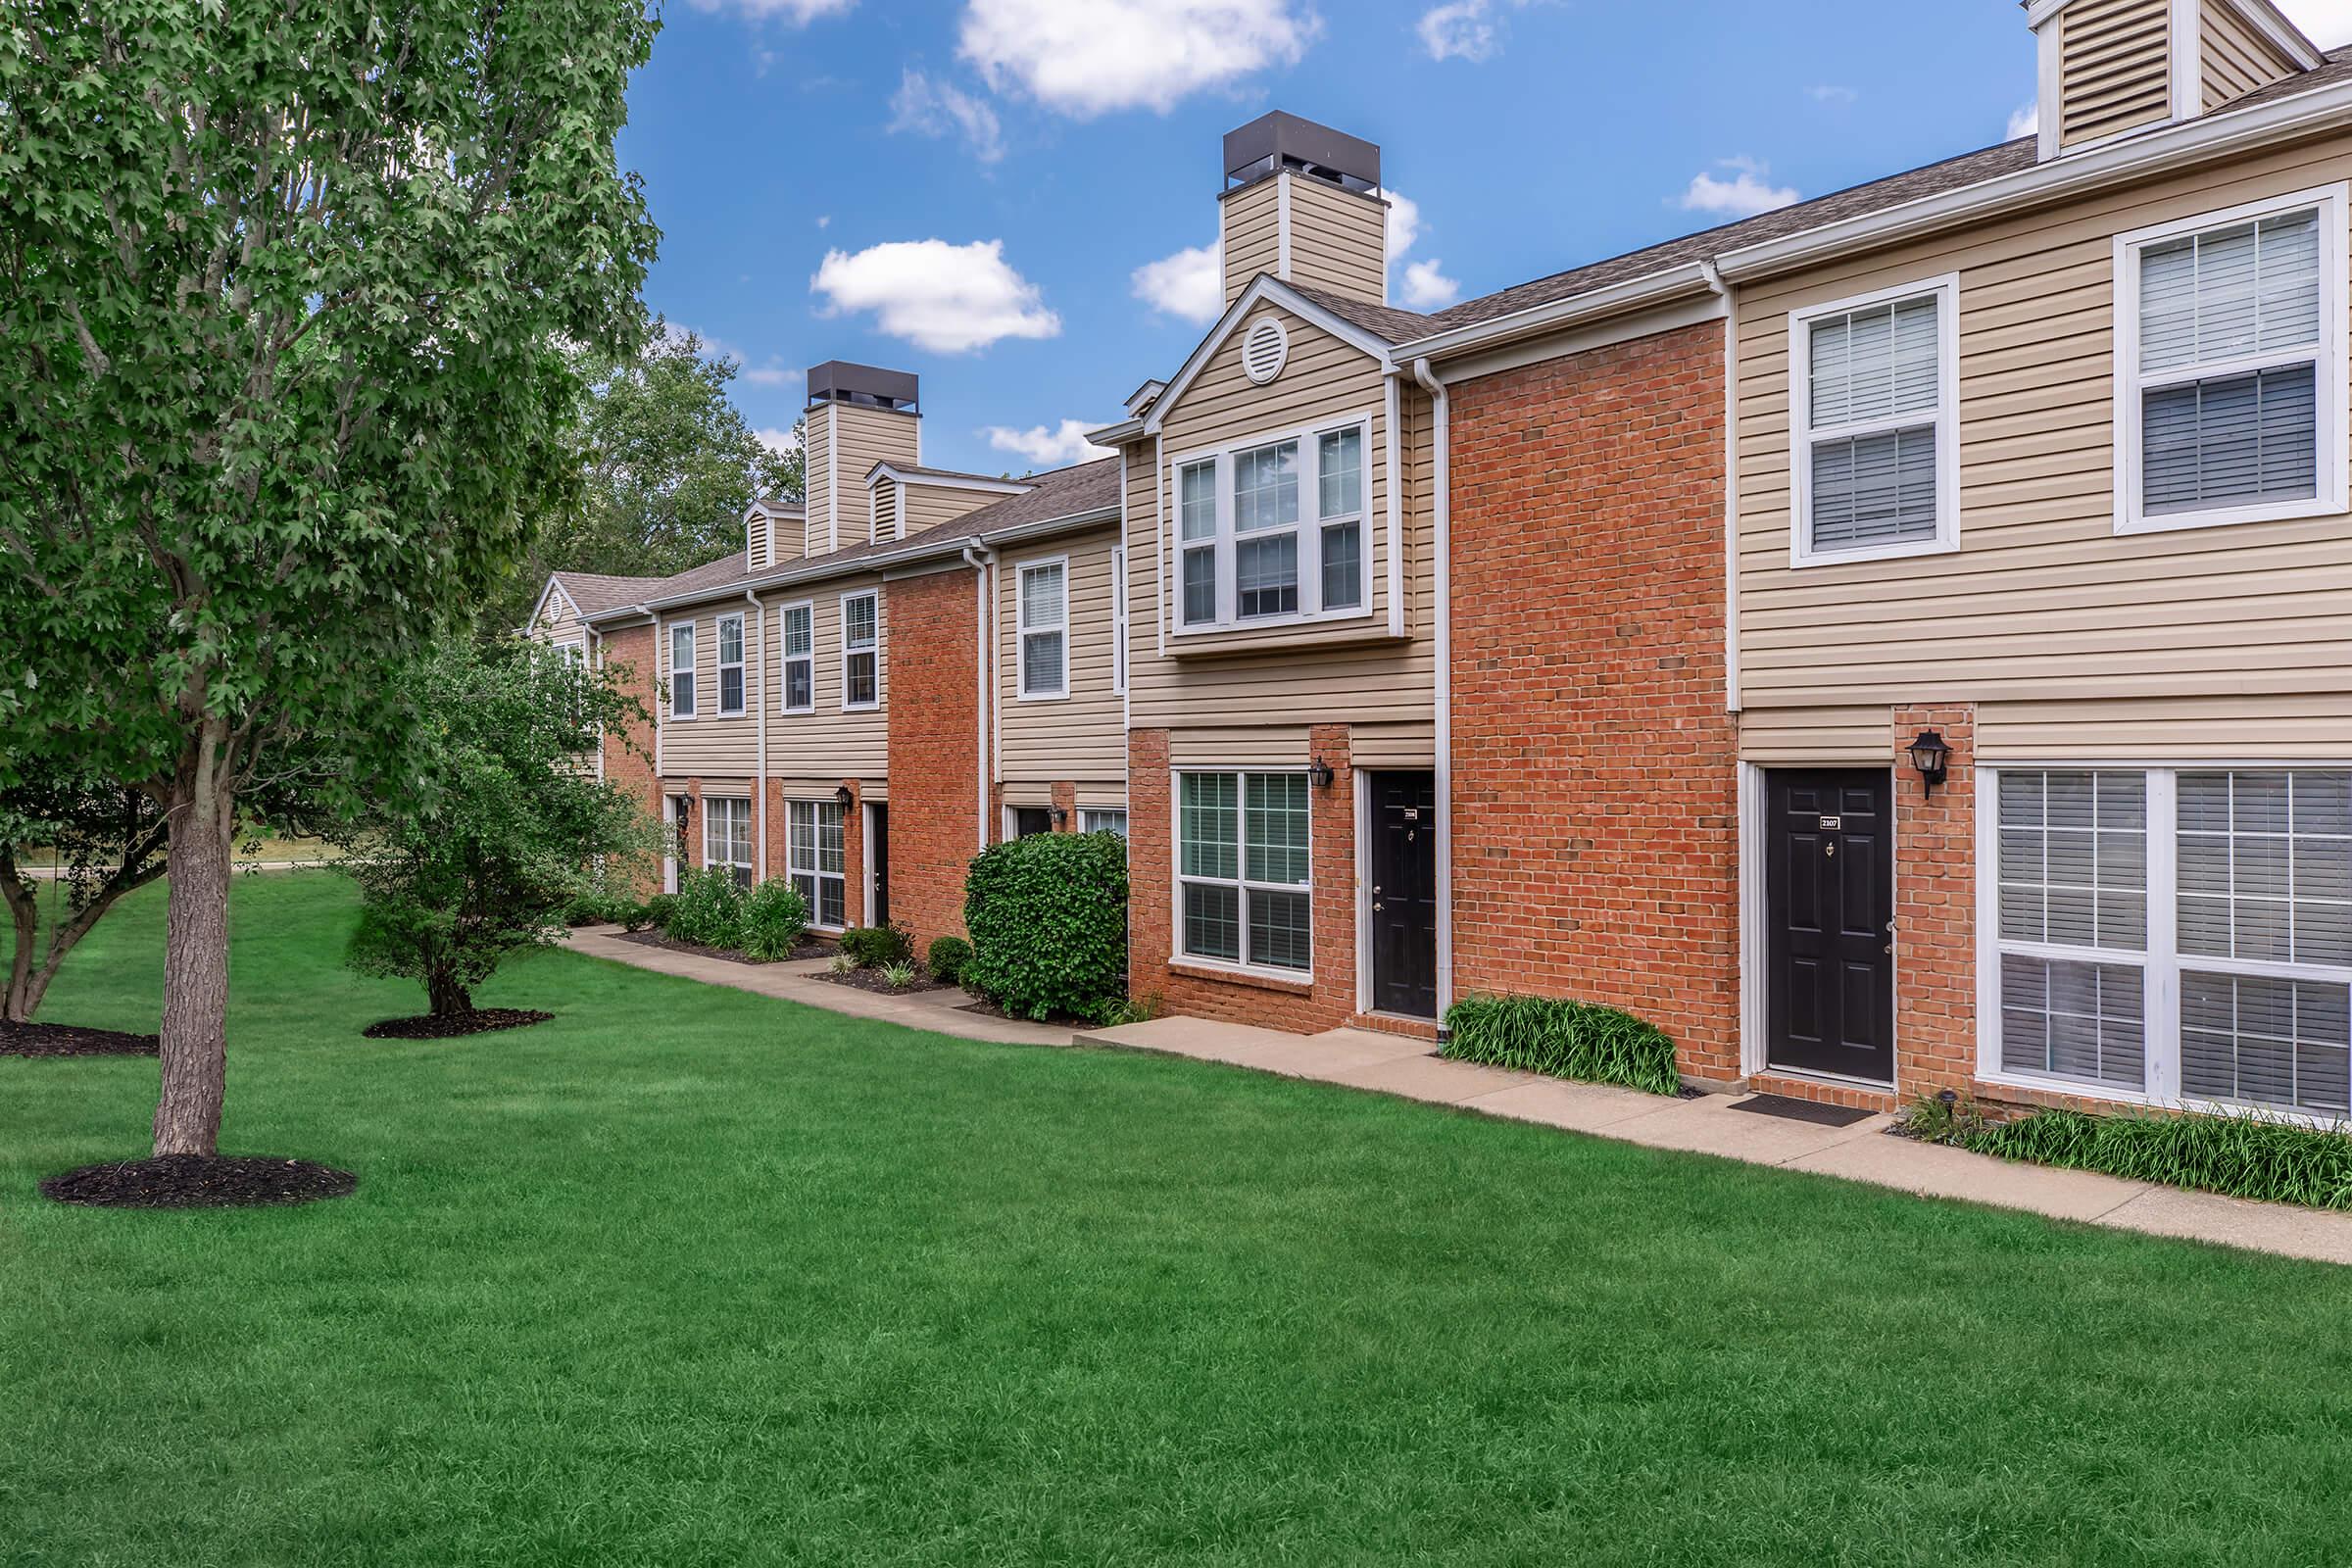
(692, 1276)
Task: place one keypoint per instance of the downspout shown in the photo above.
(1731, 481)
(759, 817)
(977, 556)
(1442, 552)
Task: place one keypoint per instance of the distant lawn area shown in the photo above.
(692, 1276)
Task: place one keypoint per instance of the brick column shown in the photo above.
(1934, 907)
(628, 755)
(1331, 820)
(1151, 863)
(1065, 800)
(936, 736)
(852, 854)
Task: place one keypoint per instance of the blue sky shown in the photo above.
(979, 190)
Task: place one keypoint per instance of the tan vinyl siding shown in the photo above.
(882, 511)
(2234, 59)
(930, 505)
(1252, 235)
(1233, 746)
(708, 744)
(2044, 602)
(1339, 240)
(1815, 736)
(2113, 67)
(2301, 726)
(755, 541)
(844, 443)
(558, 619)
(828, 744)
(1082, 736)
(1341, 670)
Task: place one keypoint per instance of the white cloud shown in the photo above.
(770, 374)
(1457, 31)
(1831, 95)
(942, 109)
(1427, 288)
(2024, 121)
(824, 219)
(2327, 23)
(1745, 194)
(1091, 57)
(1189, 284)
(800, 12)
(1404, 224)
(783, 443)
(949, 299)
(1049, 448)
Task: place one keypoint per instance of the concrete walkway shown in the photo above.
(1862, 1151)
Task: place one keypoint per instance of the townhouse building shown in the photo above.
(1898, 643)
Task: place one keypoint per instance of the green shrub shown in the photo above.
(1562, 1039)
(708, 910)
(774, 919)
(1047, 917)
(875, 946)
(949, 958)
(653, 913)
(2240, 1154)
(595, 907)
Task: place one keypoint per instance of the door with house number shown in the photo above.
(1830, 922)
(1403, 897)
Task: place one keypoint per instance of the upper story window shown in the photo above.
(681, 671)
(1874, 410)
(860, 650)
(2230, 371)
(1273, 530)
(800, 659)
(730, 663)
(1044, 615)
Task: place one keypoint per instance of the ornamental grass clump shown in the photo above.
(1562, 1039)
(2237, 1153)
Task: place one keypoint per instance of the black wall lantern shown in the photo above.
(1320, 774)
(1060, 816)
(1931, 757)
(846, 797)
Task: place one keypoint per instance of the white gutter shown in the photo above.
(1730, 485)
(977, 556)
(759, 817)
(1442, 526)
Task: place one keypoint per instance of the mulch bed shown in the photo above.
(199, 1181)
(70, 1040)
(871, 980)
(986, 1009)
(480, 1021)
(655, 939)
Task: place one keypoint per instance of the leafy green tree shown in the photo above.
(287, 294)
(504, 821)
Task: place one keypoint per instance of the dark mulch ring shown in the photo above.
(655, 939)
(480, 1021)
(199, 1181)
(871, 980)
(70, 1040)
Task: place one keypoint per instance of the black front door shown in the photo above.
(1830, 909)
(877, 838)
(1405, 894)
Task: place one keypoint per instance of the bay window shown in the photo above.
(1244, 871)
(1274, 530)
(812, 859)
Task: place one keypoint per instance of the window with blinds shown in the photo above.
(1044, 620)
(1874, 424)
(2228, 387)
(2073, 925)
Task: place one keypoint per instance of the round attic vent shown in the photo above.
(1265, 351)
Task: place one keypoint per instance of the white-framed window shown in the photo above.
(812, 859)
(1118, 619)
(1042, 615)
(727, 835)
(1874, 424)
(1104, 819)
(730, 665)
(573, 654)
(860, 650)
(1244, 870)
(2176, 936)
(798, 627)
(1274, 530)
(681, 671)
(2230, 365)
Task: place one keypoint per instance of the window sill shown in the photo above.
(2128, 524)
(1802, 560)
(1342, 631)
(1236, 975)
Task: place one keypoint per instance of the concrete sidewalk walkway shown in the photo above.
(1711, 1125)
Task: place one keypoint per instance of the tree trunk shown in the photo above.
(24, 913)
(448, 998)
(195, 1034)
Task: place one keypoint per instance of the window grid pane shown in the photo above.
(1339, 473)
(730, 640)
(799, 631)
(1266, 487)
(1875, 489)
(1212, 921)
(1343, 566)
(1276, 831)
(2083, 1022)
(1197, 488)
(2266, 867)
(1209, 825)
(1199, 585)
(859, 617)
(1041, 605)
(1041, 661)
(2073, 860)
(1278, 929)
(1266, 577)
(2266, 1042)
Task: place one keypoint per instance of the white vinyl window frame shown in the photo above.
(854, 649)
(736, 665)
(1118, 620)
(683, 695)
(2330, 358)
(1308, 529)
(1803, 434)
(727, 834)
(1242, 882)
(1105, 819)
(796, 652)
(2160, 958)
(804, 863)
(1056, 625)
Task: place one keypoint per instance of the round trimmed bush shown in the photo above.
(1047, 915)
(948, 958)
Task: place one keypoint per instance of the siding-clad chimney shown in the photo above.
(858, 415)
(2109, 67)
(1302, 201)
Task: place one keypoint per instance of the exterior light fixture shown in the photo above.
(846, 797)
(1320, 774)
(1060, 816)
(1931, 756)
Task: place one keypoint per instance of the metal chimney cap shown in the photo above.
(1280, 141)
(843, 381)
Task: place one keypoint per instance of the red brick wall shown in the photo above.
(935, 738)
(629, 755)
(1594, 807)
(1327, 1000)
(1935, 907)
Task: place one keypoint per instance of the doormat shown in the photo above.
(1802, 1111)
